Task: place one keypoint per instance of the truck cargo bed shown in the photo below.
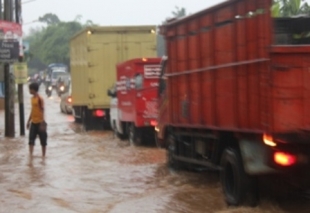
(224, 73)
(95, 52)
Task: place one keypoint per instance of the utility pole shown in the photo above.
(1, 10)
(9, 83)
(18, 11)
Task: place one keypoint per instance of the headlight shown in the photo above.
(62, 88)
(50, 88)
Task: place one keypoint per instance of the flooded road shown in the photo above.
(95, 172)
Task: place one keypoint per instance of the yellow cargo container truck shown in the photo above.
(94, 53)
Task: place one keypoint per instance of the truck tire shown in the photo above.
(238, 187)
(116, 133)
(86, 119)
(134, 135)
(76, 111)
(90, 122)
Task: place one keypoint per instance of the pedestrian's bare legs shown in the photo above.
(43, 151)
(31, 150)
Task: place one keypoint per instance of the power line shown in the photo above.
(26, 2)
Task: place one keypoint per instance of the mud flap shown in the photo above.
(255, 156)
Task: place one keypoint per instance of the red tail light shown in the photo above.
(284, 159)
(69, 100)
(99, 113)
(153, 123)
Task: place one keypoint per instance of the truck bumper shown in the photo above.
(287, 158)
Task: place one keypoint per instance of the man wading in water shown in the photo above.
(36, 121)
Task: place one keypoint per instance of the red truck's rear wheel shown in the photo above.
(238, 187)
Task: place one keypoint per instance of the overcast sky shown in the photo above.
(110, 12)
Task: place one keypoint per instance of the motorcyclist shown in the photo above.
(48, 86)
(61, 86)
(60, 82)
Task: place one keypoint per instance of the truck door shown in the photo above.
(102, 61)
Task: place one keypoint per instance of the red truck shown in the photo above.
(134, 106)
(234, 95)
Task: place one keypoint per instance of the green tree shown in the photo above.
(288, 8)
(50, 44)
(179, 12)
(89, 23)
(50, 19)
(78, 18)
(161, 44)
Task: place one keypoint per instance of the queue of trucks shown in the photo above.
(231, 94)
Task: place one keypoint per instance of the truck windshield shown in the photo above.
(292, 31)
(139, 81)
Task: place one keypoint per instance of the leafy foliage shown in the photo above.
(50, 44)
(161, 44)
(288, 8)
(179, 12)
(50, 19)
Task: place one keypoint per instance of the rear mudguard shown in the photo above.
(255, 155)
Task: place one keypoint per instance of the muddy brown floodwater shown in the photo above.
(95, 172)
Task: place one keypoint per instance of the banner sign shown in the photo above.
(20, 73)
(9, 51)
(10, 41)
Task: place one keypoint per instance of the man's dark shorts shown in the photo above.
(34, 132)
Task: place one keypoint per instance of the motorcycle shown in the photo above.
(61, 89)
(49, 90)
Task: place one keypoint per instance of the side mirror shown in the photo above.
(111, 93)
